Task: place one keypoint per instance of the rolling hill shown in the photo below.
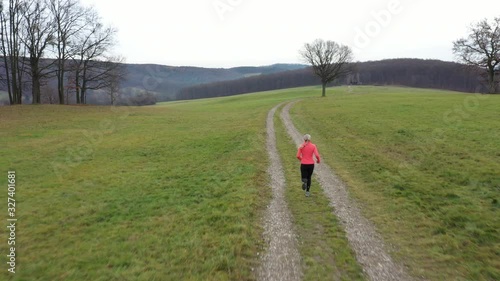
(398, 72)
(166, 81)
(156, 83)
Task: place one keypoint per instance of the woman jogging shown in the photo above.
(305, 155)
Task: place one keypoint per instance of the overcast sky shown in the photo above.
(228, 33)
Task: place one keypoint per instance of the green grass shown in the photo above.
(425, 165)
(177, 191)
(170, 192)
(323, 245)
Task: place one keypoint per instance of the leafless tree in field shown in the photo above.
(481, 50)
(38, 34)
(92, 65)
(13, 52)
(68, 21)
(329, 60)
(56, 37)
(115, 77)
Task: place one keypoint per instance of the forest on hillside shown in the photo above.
(148, 84)
(402, 72)
(144, 84)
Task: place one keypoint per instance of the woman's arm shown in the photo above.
(316, 153)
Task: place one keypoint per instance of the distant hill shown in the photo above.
(167, 81)
(417, 73)
(152, 82)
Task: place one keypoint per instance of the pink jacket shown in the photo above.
(306, 151)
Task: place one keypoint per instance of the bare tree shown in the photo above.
(4, 47)
(329, 60)
(38, 33)
(93, 67)
(12, 50)
(481, 50)
(68, 21)
(115, 77)
(29, 29)
(105, 75)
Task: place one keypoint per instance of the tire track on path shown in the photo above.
(281, 261)
(361, 234)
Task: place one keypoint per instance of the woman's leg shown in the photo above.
(304, 172)
(310, 170)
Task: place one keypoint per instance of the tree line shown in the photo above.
(400, 72)
(45, 39)
(332, 63)
(480, 51)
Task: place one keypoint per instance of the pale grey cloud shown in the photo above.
(225, 33)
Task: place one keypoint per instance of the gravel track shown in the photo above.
(368, 246)
(281, 260)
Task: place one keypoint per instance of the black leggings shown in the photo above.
(306, 171)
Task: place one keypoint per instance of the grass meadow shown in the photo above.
(170, 192)
(425, 167)
(177, 191)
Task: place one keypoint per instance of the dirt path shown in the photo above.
(281, 261)
(363, 238)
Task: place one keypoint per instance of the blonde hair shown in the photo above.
(307, 137)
